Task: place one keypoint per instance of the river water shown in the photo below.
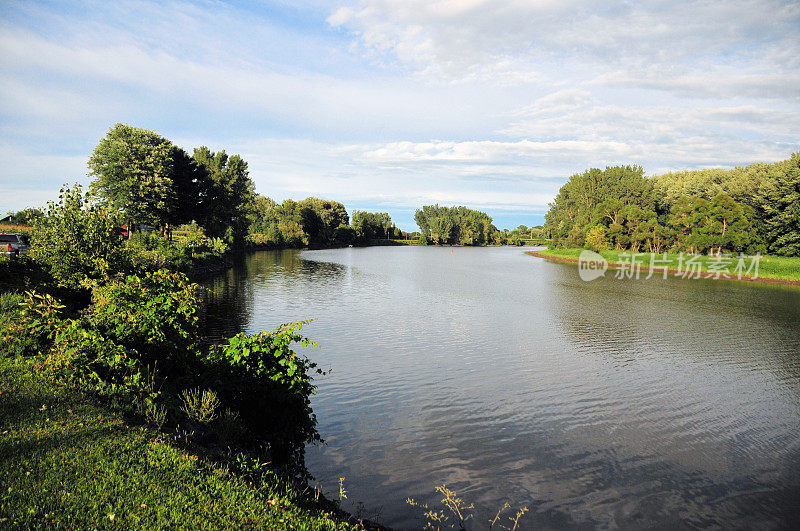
(611, 403)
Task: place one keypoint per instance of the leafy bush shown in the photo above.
(150, 252)
(29, 322)
(155, 314)
(217, 246)
(271, 385)
(262, 240)
(77, 242)
(596, 239)
(84, 356)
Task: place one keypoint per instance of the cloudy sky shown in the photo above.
(390, 104)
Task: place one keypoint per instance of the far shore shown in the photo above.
(766, 273)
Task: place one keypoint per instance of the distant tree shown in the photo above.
(321, 218)
(729, 224)
(371, 225)
(191, 184)
(262, 214)
(27, 216)
(345, 234)
(455, 225)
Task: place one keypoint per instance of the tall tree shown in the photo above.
(230, 193)
(779, 205)
(133, 172)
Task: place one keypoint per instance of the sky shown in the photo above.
(387, 105)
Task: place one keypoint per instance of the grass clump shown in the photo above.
(200, 406)
(455, 512)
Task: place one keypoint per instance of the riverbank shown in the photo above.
(98, 429)
(771, 269)
(68, 460)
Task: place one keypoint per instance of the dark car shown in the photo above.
(14, 244)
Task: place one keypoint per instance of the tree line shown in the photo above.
(748, 209)
(457, 225)
(152, 182)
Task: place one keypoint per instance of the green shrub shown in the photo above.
(596, 239)
(29, 328)
(151, 251)
(83, 356)
(156, 315)
(270, 385)
(77, 242)
(217, 246)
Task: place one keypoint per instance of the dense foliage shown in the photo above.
(456, 226)
(25, 217)
(229, 194)
(314, 222)
(150, 181)
(271, 385)
(373, 225)
(105, 318)
(133, 171)
(746, 209)
(77, 242)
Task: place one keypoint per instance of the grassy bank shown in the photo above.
(770, 268)
(116, 413)
(69, 461)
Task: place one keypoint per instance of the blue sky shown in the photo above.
(391, 104)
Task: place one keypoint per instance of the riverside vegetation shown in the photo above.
(714, 212)
(748, 209)
(116, 413)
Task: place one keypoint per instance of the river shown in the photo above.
(630, 403)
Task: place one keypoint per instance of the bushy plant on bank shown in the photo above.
(106, 319)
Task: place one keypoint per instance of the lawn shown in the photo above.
(69, 461)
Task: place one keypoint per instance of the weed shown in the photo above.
(200, 406)
(155, 414)
(457, 509)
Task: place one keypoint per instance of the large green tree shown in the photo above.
(229, 194)
(133, 172)
(779, 206)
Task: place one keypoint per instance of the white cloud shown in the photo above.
(530, 41)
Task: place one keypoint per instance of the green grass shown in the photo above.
(771, 267)
(69, 461)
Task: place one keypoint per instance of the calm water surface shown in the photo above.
(614, 403)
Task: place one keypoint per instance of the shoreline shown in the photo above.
(670, 271)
